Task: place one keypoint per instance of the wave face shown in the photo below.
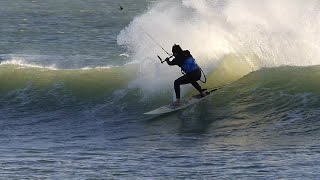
(280, 100)
(58, 116)
(279, 93)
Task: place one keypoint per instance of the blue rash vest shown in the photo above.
(185, 61)
(190, 65)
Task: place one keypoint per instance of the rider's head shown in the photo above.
(176, 49)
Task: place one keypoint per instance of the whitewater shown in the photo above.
(76, 78)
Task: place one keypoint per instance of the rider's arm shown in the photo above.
(171, 63)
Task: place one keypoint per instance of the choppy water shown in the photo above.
(76, 78)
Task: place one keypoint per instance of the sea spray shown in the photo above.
(274, 33)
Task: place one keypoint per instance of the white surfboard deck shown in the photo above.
(184, 103)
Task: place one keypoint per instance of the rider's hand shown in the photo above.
(167, 59)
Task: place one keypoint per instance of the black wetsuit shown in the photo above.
(189, 77)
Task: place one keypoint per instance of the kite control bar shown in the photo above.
(162, 61)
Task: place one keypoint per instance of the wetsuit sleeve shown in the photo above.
(171, 63)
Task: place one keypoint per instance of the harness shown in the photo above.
(190, 65)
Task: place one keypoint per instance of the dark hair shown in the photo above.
(176, 49)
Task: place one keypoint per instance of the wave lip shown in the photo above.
(22, 63)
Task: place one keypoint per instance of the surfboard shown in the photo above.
(184, 103)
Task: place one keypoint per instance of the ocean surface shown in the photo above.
(77, 76)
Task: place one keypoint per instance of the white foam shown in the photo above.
(23, 64)
(279, 32)
(124, 54)
(98, 67)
